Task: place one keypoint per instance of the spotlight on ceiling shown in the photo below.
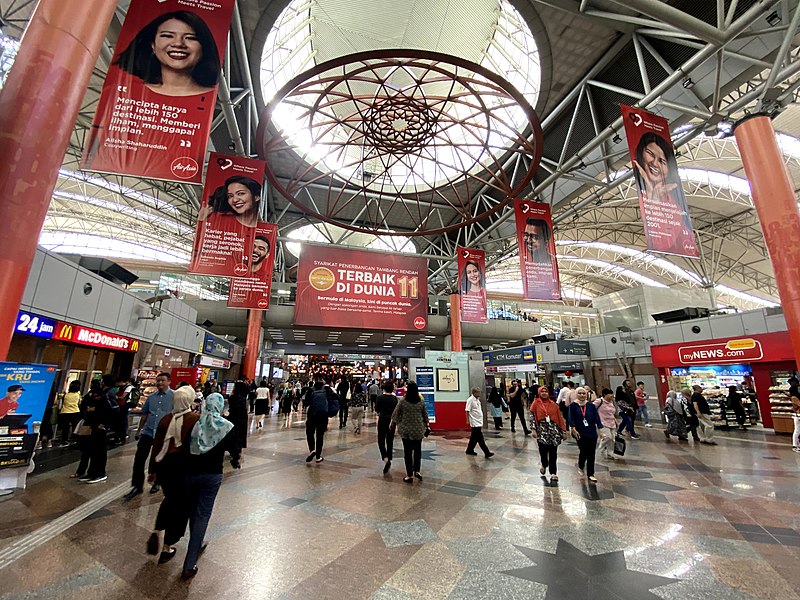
(688, 83)
(616, 139)
(581, 166)
(773, 18)
(724, 128)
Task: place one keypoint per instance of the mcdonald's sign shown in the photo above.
(85, 336)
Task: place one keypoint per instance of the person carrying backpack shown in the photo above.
(322, 403)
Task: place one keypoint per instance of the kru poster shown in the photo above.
(157, 103)
(254, 291)
(226, 223)
(360, 289)
(24, 392)
(537, 251)
(472, 285)
(662, 203)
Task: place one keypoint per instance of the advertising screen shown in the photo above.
(361, 289)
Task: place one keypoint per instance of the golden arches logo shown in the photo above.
(135, 346)
(66, 332)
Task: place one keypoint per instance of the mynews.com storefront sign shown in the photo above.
(44, 327)
(77, 334)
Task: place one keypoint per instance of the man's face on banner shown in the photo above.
(533, 236)
(260, 252)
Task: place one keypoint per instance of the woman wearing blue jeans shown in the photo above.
(211, 437)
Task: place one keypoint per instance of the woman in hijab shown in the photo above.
(411, 419)
(167, 462)
(496, 406)
(211, 436)
(676, 417)
(549, 429)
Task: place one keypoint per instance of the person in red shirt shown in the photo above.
(548, 428)
(9, 404)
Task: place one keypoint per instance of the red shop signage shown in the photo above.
(67, 332)
(769, 347)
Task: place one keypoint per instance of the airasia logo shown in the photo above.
(240, 269)
(263, 303)
(419, 322)
(184, 167)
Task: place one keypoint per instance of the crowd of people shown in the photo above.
(184, 432)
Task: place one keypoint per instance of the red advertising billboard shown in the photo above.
(360, 289)
(254, 291)
(537, 251)
(155, 110)
(472, 285)
(226, 223)
(85, 336)
(662, 203)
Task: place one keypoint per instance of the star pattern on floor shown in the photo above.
(571, 573)
(640, 485)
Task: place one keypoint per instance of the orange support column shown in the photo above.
(252, 344)
(38, 107)
(776, 204)
(455, 322)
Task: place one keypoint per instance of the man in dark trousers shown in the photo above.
(384, 406)
(343, 389)
(320, 400)
(158, 404)
(475, 422)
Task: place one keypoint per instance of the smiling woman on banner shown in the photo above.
(175, 55)
(656, 172)
(473, 280)
(239, 196)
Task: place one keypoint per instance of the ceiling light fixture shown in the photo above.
(688, 83)
(773, 18)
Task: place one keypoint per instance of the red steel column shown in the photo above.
(253, 343)
(776, 204)
(455, 323)
(38, 107)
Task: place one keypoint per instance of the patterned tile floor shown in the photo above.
(670, 520)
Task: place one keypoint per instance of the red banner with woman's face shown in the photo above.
(155, 110)
(254, 291)
(537, 251)
(226, 223)
(472, 285)
(661, 200)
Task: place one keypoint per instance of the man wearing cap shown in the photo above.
(9, 404)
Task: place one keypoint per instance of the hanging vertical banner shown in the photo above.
(662, 203)
(254, 291)
(472, 285)
(226, 223)
(537, 251)
(155, 110)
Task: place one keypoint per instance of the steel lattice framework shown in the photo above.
(397, 136)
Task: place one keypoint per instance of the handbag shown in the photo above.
(82, 429)
(619, 445)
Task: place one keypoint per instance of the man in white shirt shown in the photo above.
(564, 399)
(475, 422)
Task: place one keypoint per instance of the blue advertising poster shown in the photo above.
(425, 384)
(24, 391)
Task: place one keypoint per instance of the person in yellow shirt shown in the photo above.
(70, 412)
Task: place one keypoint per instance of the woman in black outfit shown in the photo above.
(384, 406)
(735, 404)
(411, 419)
(237, 412)
(515, 399)
(96, 413)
